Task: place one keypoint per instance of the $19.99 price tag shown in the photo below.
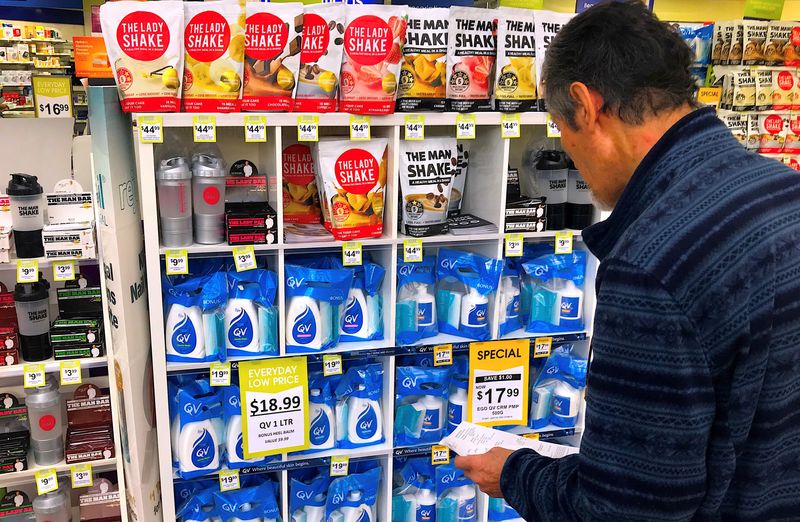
(46, 481)
(244, 257)
(229, 480)
(498, 382)
(340, 465)
(220, 374)
(81, 475)
(27, 270)
(331, 365)
(64, 270)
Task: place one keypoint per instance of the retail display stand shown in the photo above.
(485, 196)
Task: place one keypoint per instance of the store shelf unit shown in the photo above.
(62, 469)
(485, 196)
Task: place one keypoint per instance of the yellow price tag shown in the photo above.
(532, 436)
(27, 270)
(151, 129)
(564, 242)
(204, 127)
(220, 374)
(331, 365)
(359, 128)
(499, 372)
(255, 129)
(46, 481)
(552, 129)
(308, 128)
(244, 257)
(510, 126)
(70, 372)
(81, 475)
(440, 455)
(443, 355)
(542, 347)
(340, 465)
(465, 126)
(229, 480)
(33, 375)
(412, 250)
(177, 262)
(351, 253)
(514, 245)
(415, 127)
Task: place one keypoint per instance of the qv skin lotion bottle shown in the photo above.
(241, 325)
(569, 305)
(426, 306)
(303, 324)
(509, 299)
(321, 433)
(364, 421)
(315, 512)
(455, 406)
(432, 413)
(233, 442)
(425, 503)
(360, 513)
(197, 447)
(185, 334)
(356, 316)
(474, 309)
(465, 499)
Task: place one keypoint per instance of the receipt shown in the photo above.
(472, 439)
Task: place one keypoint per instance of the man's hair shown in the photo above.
(637, 63)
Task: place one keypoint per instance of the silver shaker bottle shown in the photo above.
(208, 191)
(47, 426)
(174, 183)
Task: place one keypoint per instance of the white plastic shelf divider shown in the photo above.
(27, 476)
(51, 366)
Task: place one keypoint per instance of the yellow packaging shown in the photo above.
(423, 71)
(515, 83)
(214, 46)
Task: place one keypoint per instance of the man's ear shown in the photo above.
(587, 105)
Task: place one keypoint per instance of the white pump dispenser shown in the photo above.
(241, 325)
(426, 306)
(356, 315)
(474, 309)
(364, 419)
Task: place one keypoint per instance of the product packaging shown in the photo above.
(552, 292)
(251, 319)
(772, 129)
(471, 52)
(322, 404)
(300, 196)
(69, 204)
(792, 143)
(359, 415)
(457, 398)
(373, 48)
(755, 36)
(320, 58)
(753, 134)
(556, 395)
(722, 43)
(426, 173)
(354, 178)
(456, 495)
(249, 218)
(254, 503)
(420, 405)
(272, 54)
(214, 45)
(416, 302)
(737, 43)
(100, 502)
(548, 24)
(699, 38)
(784, 89)
(744, 91)
(232, 443)
(196, 425)
(459, 179)
(198, 507)
(414, 494)
(354, 497)
(423, 71)
(77, 302)
(737, 124)
(308, 493)
(500, 511)
(763, 90)
(194, 321)
(515, 85)
(362, 315)
(77, 338)
(14, 434)
(466, 283)
(510, 319)
(144, 43)
(315, 297)
(90, 434)
(778, 35)
(791, 51)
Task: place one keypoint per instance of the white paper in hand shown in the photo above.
(472, 439)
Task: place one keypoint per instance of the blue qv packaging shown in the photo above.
(256, 504)
(414, 493)
(199, 507)
(359, 416)
(322, 407)
(556, 395)
(313, 315)
(353, 498)
(193, 311)
(308, 494)
(421, 398)
(500, 511)
(232, 444)
(416, 301)
(510, 297)
(456, 496)
(251, 319)
(466, 284)
(196, 429)
(362, 316)
(552, 292)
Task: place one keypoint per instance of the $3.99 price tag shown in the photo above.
(255, 129)
(415, 127)
(440, 455)
(514, 245)
(359, 128)
(412, 251)
(27, 270)
(46, 481)
(70, 372)
(64, 270)
(151, 129)
(498, 382)
(229, 480)
(351, 253)
(244, 257)
(331, 365)
(509, 125)
(81, 475)
(205, 128)
(177, 262)
(465, 126)
(220, 374)
(33, 375)
(308, 128)
(340, 465)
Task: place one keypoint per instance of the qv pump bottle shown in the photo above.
(364, 422)
(303, 323)
(185, 337)
(241, 325)
(321, 435)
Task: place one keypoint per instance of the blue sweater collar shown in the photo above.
(650, 180)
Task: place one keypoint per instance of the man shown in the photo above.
(693, 404)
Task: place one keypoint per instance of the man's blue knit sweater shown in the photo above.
(693, 404)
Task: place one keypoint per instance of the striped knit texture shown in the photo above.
(693, 406)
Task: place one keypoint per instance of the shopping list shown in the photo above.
(472, 439)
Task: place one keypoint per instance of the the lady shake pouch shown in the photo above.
(300, 197)
(755, 36)
(772, 129)
(272, 55)
(373, 47)
(320, 58)
(783, 89)
(515, 84)
(354, 176)
(423, 72)
(471, 52)
(791, 51)
(426, 172)
(213, 40)
(144, 49)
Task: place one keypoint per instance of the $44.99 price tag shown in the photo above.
(308, 128)
(70, 372)
(351, 253)
(229, 480)
(440, 455)
(220, 374)
(509, 125)
(64, 270)
(274, 396)
(81, 475)
(465, 126)
(151, 129)
(46, 481)
(331, 365)
(255, 129)
(415, 127)
(205, 128)
(498, 379)
(244, 257)
(27, 270)
(412, 251)
(340, 465)
(359, 128)
(177, 262)
(33, 375)
(552, 129)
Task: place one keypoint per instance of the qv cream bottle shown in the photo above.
(456, 405)
(197, 447)
(321, 434)
(315, 512)
(425, 504)
(474, 309)
(432, 408)
(233, 442)
(364, 419)
(509, 299)
(426, 305)
(465, 500)
(569, 305)
(356, 315)
(241, 325)
(184, 332)
(354, 511)
(565, 404)
(303, 323)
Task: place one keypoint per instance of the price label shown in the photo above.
(81, 475)
(52, 96)
(564, 242)
(514, 245)
(151, 129)
(244, 257)
(499, 373)
(710, 96)
(33, 375)
(229, 480)
(331, 365)
(552, 129)
(415, 127)
(532, 436)
(70, 372)
(220, 374)
(27, 270)
(177, 262)
(46, 481)
(255, 129)
(64, 270)
(412, 250)
(359, 128)
(465, 126)
(443, 355)
(351, 253)
(205, 128)
(510, 126)
(274, 395)
(542, 347)
(340, 465)
(308, 128)
(440, 455)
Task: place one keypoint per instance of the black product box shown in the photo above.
(250, 215)
(74, 303)
(526, 215)
(77, 351)
(65, 331)
(250, 236)
(513, 192)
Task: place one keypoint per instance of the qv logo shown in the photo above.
(337, 499)
(239, 447)
(304, 495)
(304, 329)
(569, 307)
(552, 370)
(367, 423)
(405, 270)
(231, 507)
(184, 337)
(541, 270)
(203, 450)
(192, 408)
(409, 382)
(425, 514)
(320, 428)
(295, 282)
(448, 264)
(560, 405)
(240, 332)
(448, 478)
(477, 314)
(363, 517)
(353, 317)
(233, 400)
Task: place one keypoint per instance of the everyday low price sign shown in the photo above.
(274, 403)
(52, 96)
(498, 377)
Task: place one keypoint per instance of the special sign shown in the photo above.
(498, 376)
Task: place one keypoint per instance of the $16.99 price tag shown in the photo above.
(498, 373)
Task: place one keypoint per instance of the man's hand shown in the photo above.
(485, 470)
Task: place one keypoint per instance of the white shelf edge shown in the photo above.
(27, 476)
(51, 365)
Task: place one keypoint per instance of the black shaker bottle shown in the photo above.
(579, 201)
(31, 301)
(27, 214)
(551, 178)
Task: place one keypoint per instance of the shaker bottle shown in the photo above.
(27, 214)
(174, 183)
(47, 426)
(53, 507)
(31, 301)
(208, 190)
(579, 200)
(550, 171)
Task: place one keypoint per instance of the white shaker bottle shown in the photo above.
(208, 191)
(53, 507)
(174, 182)
(47, 427)
(27, 214)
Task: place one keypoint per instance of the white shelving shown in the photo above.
(52, 366)
(27, 476)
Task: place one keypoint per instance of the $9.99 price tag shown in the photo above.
(27, 270)
(340, 465)
(33, 375)
(177, 262)
(244, 257)
(81, 475)
(498, 373)
(46, 481)
(229, 480)
(563, 242)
